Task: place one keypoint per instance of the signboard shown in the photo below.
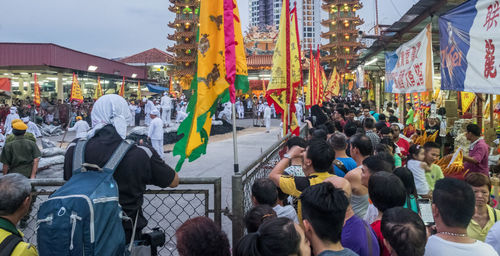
(470, 33)
(409, 68)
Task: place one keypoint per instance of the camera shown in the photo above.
(155, 239)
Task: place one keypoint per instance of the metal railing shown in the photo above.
(242, 182)
(163, 208)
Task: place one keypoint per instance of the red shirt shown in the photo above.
(404, 146)
(378, 232)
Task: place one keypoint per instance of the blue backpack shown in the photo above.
(84, 217)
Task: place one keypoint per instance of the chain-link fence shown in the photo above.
(163, 208)
(242, 182)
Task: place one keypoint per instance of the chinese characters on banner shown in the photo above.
(360, 77)
(409, 68)
(469, 38)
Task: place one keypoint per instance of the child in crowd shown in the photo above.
(418, 167)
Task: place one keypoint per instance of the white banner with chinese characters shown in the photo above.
(409, 68)
(469, 42)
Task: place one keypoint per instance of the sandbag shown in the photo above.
(53, 151)
(48, 144)
(46, 162)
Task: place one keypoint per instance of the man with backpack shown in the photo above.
(94, 164)
(15, 201)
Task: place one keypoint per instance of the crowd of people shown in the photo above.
(358, 184)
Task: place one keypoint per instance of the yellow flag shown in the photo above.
(76, 91)
(467, 99)
(286, 72)
(139, 93)
(98, 89)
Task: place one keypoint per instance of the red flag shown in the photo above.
(5, 84)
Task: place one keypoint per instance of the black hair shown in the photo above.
(258, 215)
(379, 163)
(404, 230)
(369, 123)
(296, 141)
(382, 148)
(324, 206)
(390, 143)
(414, 150)
(338, 141)
(319, 134)
(362, 143)
(321, 155)
(321, 117)
(349, 111)
(330, 127)
(18, 132)
(274, 237)
(474, 129)
(455, 202)
(429, 145)
(393, 119)
(338, 125)
(350, 129)
(389, 104)
(385, 130)
(410, 104)
(386, 190)
(381, 117)
(265, 192)
(406, 176)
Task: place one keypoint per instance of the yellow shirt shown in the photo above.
(295, 185)
(22, 249)
(476, 232)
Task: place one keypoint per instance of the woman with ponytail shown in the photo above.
(275, 237)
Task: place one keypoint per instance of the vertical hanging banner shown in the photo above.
(467, 99)
(122, 88)
(468, 39)
(409, 68)
(360, 77)
(76, 91)
(36, 98)
(139, 92)
(286, 71)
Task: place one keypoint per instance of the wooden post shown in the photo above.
(479, 110)
(492, 120)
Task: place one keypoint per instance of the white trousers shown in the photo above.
(268, 123)
(165, 115)
(227, 115)
(158, 146)
(147, 119)
(132, 120)
(241, 113)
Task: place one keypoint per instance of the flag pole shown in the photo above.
(288, 69)
(235, 140)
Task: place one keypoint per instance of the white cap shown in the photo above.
(155, 112)
(144, 99)
(25, 119)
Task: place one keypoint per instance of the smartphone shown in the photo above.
(425, 208)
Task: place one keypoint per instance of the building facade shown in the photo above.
(342, 35)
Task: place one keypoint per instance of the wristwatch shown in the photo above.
(286, 155)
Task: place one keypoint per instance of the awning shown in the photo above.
(156, 88)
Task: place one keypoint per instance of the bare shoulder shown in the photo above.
(354, 175)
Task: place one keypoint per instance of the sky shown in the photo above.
(120, 28)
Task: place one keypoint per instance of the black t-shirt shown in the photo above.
(141, 166)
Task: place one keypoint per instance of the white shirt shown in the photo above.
(8, 122)
(419, 177)
(156, 129)
(493, 237)
(267, 112)
(81, 127)
(149, 107)
(436, 246)
(286, 211)
(166, 102)
(33, 129)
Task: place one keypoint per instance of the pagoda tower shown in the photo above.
(342, 33)
(185, 48)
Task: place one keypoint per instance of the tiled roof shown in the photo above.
(150, 56)
(260, 60)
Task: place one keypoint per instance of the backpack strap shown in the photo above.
(79, 155)
(340, 165)
(9, 244)
(117, 156)
(368, 238)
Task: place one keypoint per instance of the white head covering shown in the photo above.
(155, 112)
(13, 110)
(25, 119)
(144, 99)
(110, 109)
(165, 93)
(400, 125)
